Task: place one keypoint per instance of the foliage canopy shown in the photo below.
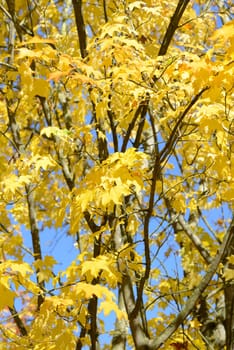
(116, 131)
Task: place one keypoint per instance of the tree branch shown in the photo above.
(19, 324)
(165, 152)
(155, 177)
(113, 129)
(194, 239)
(126, 290)
(93, 302)
(192, 300)
(105, 11)
(120, 336)
(131, 126)
(80, 26)
(101, 136)
(173, 25)
(141, 124)
(35, 236)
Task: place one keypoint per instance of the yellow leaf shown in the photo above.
(50, 131)
(86, 290)
(179, 203)
(23, 268)
(102, 265)
(45, 268)
(41, 88)
(108, 306)
(37, 40)
(7, 296)
(25, 179)
(228, 274)
(195, 324)
(57, 75)
(65, 339)
(164, 286)
(24, 52)
(225, 32)
(231, 259)
(43, 162)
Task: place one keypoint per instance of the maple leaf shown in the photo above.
(7, 296)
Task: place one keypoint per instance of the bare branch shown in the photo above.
(173, 25)
(113, 126)
(19, 323)
(141, 124)
(105, 11)
(194, 239)
(80, 26)
(8, 66)
(131, 126)
(120, 336)
(155, 177)
(173, 137)
(35, 236)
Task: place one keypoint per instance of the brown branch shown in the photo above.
(45, 109)
(173, 25)
(165, 152)
(19, 324)
(105, 11)
(92, 310)
(5, 11)
(93, 227)
(113, 129)
(14, 127)
(154, 133)
(155, 177)
(101, 137)
(35, 236)
(80, 26)
(67, 173)
(131, 126)
(192, 300)
(194, 239)
(141, 124)
(13, 18)
(8, 66)
(62, 160)
(93, 302)
(79, 344)
(120, 337)
(138, 333)
(127, 293)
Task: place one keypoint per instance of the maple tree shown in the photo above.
(117, 131)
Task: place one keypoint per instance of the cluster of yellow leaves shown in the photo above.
(17, 274)
(104, 267)
(107, 184)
